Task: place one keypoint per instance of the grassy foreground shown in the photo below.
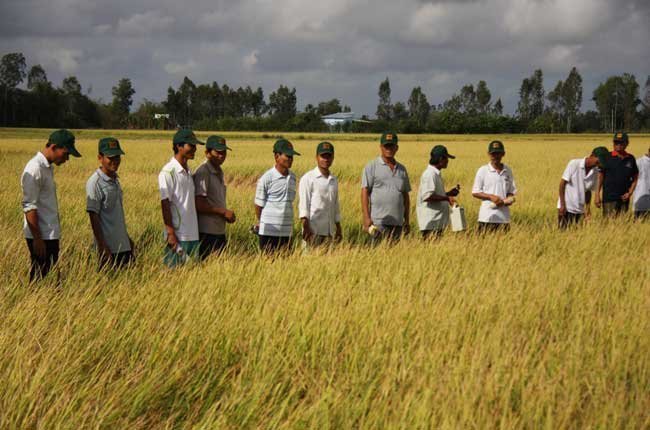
(531, 329)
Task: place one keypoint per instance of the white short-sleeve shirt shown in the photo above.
(39, 193)
(432, 215)
(176, 184)
(319, 202)
(502, 183)
(275, 194)
(641, 196)
(578, 182)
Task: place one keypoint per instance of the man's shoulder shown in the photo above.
(202, 170)
(93, 179)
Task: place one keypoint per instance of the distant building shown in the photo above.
(341, 118)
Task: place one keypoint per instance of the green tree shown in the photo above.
(12, 73)
(329, 107)
(282, 103)
(384, 108)
(483, 97)
(122, 99)
(36, 77)
(419, 107)
(498, 107)
(617, 101)
(531, 97)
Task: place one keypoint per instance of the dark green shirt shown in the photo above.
(619, 175)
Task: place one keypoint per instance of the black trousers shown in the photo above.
(211, 243)
(432, 234)
(615, 208)
(274, 243)
(564, 221)
(41, 266)
(491, 227)
(117, 261)
(642, 215)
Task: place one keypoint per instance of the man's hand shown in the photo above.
(451, 200)
(132, 246)
(496, 200)
(172, 241)
(367, 222)
(39, 247)
(561, 211)
(625, 197)
(338, 236)
(229, 216)
(406, 228)
(597, 201)
(104, 252)
(454, 191)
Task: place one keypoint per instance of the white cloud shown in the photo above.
(144, 24)
(66, 60)
(181, 69)
(562, 57)
(102, 29)
(249, 61)
(429, 24)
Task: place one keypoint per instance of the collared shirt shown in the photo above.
(386, 188)
(619, 175)
(209, 183)
(502, 183)
(578, 182)
(432, 215)
(176, 184)
(104, 197)
(319, 202)
(39, 193)
(642, 191)
(275, 194)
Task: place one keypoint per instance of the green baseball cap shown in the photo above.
(496, 146)
(64, 139)
(185, 135)
(388, 138)
(621, 138)
(217, 143)
(440, 151)
(325, 148)
(110, 147)
(283, 146)
(602, 153)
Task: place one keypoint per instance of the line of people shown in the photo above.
(195, 213)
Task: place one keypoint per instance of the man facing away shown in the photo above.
(274, 196)
(578, 181)
(617, 179)
(385, 188)
(41, 225)
(177, 201)
(104, 207)
(210, 191)
(433, 201)
(494, 185)
(318, 205)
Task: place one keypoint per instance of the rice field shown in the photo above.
(532, 329)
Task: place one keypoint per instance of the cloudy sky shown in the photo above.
(335, 48)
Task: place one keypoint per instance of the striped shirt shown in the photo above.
(275, 194)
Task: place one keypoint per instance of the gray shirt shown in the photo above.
(104, 197)
(386, 188)
(39, 193)
(209, 183)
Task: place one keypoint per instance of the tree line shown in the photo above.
(620, 104)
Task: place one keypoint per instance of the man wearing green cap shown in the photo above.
(385, 188)
(274, 195)
(617, 179)
(578, 181)
(41, 211)
(494, 184)
(177, 200)
(104, 207)
(318, 203)
(210, 192)
(642, 191)
(433, 203)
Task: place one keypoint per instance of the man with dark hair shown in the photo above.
(385, 188)
(494, 184)
(40, 207)
(210, 192)
(433, 201)
(274, 196)
(177, 201)
(104, 207)
(642, 191)
(617, 179)
(578, 181)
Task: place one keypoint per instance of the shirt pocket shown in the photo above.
(111, 197)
